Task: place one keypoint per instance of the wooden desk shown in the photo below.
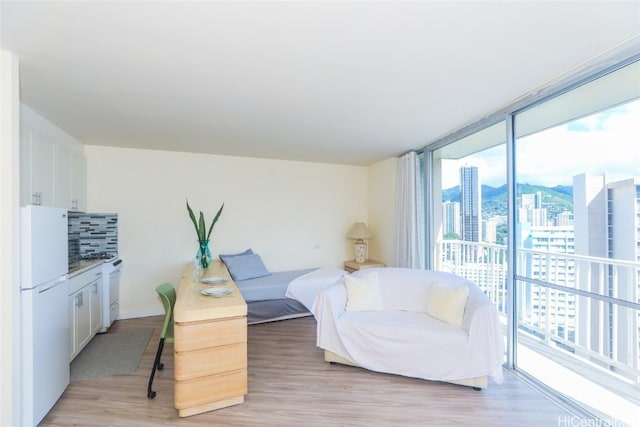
(210, 345)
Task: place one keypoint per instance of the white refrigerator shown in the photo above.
(45, 314)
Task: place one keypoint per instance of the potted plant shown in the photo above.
(204, 254)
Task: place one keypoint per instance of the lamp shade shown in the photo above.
(359, 231)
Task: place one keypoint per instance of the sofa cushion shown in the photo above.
(448, 303)
(363, 293)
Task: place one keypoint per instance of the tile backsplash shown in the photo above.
(91, 233)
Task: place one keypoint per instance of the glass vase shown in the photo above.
(204, 254)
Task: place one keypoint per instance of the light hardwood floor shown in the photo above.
(291, 385)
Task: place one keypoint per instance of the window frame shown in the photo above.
(591, 72)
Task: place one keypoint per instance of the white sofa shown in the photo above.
(403, 339)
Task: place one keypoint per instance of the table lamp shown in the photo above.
(359, 231)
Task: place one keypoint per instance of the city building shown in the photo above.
(451, 218)
(489, 230)
(531, 209)
(470, 204)
(548, 309)
(607, 224)
(563, 219)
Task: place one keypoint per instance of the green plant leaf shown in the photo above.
(215, 219)
(193, 219)
(201, 227)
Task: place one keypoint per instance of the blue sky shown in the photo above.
(606, 142)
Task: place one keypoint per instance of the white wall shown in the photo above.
(294, 214)
(382, 210)
(10, 367)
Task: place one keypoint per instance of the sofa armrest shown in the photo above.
(331, 301)
(476, 302)
(483, 327)
(328, 308)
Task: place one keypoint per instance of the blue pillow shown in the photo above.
(227, 256)
(245, 267)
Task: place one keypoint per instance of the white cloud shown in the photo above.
(606, 142)
(611, 145)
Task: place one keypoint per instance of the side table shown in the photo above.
(352, 266)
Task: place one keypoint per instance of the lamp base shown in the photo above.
(360, 250)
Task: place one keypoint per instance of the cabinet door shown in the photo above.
(83, 318)
(72, 326)
(41, 169)
(26, 196)
(78, 182)
(52, 164)
(96, 306)
(62, 172)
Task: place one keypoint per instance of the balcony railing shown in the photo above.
(581, 307)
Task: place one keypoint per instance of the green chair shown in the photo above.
(168, 296)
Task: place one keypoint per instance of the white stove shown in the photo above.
(110, 291)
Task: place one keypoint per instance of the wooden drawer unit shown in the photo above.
(197, 335)
(210, 346)
(210, 361)
(208, 390)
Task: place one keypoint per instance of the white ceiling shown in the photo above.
(331, 81)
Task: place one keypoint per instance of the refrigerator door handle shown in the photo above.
(52, 284)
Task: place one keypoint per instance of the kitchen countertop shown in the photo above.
(81, 266)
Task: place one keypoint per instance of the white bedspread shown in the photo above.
(405, 340)
(306, 288)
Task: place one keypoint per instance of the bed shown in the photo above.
(266, 299)
(272, 296)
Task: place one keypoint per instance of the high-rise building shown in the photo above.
(623, 243)
(470, 204)
(490, 227)
(607, 224)
(547, 307)
(451, 218)
(563, 219)
(531, 209)
(531, 201)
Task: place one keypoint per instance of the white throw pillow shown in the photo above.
(363, 293)
(447, 303)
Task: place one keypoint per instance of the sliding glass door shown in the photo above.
(468, 210)
(544, 215)
(577, 234)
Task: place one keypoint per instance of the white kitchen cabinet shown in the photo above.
(70, 178)
(37, 168)
(62, 176)
(52, 164)
(96, 306)
(85, 308)
(78, 182)
(72, 331)
(81, 318)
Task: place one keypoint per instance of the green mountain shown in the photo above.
(494, 199)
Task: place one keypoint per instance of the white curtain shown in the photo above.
(409, 247)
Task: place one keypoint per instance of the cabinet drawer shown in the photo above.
(204, 390)
(210, 361)
(198, 335)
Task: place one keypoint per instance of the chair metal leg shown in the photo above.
(150, 393)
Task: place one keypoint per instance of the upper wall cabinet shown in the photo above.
(52, 164)
(36, 168)
(78, 182)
